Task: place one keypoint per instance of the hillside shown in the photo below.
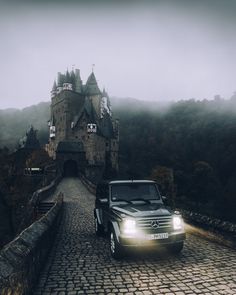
(14, 123)
(187, 146)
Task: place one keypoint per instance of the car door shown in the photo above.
(102, 204)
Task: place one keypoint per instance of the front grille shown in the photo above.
(160, 223)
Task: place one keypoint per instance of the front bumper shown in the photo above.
(143, 240)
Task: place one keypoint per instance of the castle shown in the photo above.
(83, 137)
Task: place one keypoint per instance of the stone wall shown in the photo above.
(224, 230)
(22, 259)
(37, 197)
(88, 184)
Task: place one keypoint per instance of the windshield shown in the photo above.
(134, 191)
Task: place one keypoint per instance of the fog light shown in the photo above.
(177, 222)
(129, 226)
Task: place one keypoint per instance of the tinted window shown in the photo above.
(132, 191)
(102, 191)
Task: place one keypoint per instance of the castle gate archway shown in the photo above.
(70, 168)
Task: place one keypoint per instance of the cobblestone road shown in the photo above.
(80, 262)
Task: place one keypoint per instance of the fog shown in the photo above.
(160, 50)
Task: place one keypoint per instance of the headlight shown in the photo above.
(129, 226)
(177, 222)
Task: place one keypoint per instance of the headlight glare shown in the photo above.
(129, 226)
(177, 222)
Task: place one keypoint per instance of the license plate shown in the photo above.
(158, 236)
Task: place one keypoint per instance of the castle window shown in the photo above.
(52, 131)
(91, 128)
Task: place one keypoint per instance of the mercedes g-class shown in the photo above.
(133, 213)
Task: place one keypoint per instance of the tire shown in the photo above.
(116, 249)
(99, 231)
(176, 248)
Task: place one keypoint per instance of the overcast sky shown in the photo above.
(159, 50)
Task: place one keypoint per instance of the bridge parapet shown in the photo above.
(90, 185)
(22, 259)
(37, 197)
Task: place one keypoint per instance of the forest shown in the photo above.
(188, 147)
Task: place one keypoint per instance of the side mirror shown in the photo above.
(164, 198)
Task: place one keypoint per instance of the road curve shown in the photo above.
(80, 263)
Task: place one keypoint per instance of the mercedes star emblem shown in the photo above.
(155, 223)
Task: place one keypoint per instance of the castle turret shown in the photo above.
(54, 89)
(60, 81)
(67, 85)
(72, 79)
(67, 77)
(105, 104)
(93, 93)
(91, 87)
(78, 81)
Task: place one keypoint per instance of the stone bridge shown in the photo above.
(80, 262)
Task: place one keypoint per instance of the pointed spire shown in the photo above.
(60, 79)
(54, 87)
(78, 81)
(104, 93)
(68, 79)
(92, 86)
(72, 79)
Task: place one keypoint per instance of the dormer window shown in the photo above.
(67, 86)
(91, 128)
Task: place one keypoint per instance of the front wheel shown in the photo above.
(115, 248)
(176, 248)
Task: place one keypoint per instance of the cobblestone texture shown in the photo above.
(80, 262)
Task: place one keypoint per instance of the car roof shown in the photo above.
(130, 181)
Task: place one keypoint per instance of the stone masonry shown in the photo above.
(82, 128)
(80, 262)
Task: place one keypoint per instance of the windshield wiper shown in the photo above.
(123, 200)
(140, 199)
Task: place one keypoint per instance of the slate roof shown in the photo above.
(88, 108)
(106, 127)
(70, 147)
(91, 86)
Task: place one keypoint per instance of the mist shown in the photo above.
(157, 50)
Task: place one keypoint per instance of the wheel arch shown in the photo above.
(115, 226)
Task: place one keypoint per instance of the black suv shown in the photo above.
(133, 214)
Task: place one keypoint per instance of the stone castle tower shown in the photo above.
(83, 137)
